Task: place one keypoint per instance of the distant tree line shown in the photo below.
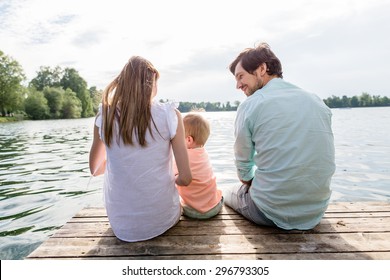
(364, 100)
(207, 106)
(55, 93)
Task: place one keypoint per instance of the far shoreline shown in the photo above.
(10, 119)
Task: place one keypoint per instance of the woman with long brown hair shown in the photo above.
(134, 137)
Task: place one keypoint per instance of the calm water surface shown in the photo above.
(44, 175)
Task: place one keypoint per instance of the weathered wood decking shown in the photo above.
(359, 230)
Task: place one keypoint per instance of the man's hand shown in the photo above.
(249, 183)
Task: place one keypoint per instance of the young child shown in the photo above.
(134, 137)
(201, 199)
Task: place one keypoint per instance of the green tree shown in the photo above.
(228, 106)
(96, 96)
(55, 99)
(354, 101)
(11, 90)
(71, 108)
(209, 107)
(47, 77)
(86, 104)
(345, 102)
(385, 101)
(35, 105)
(72, 80)
(334, 102)
(376, 100)
(185, 107)
(365, 100)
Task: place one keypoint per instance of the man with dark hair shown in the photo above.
(284, 150)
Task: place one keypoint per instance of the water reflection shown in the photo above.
(43, 180)
(12, 192)
(16, 231)
(23, 213)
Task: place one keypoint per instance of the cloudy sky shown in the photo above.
(330, 47)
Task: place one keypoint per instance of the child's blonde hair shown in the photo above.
(197, 127)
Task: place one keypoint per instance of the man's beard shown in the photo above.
(258, 86)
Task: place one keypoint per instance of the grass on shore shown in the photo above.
(11, 119)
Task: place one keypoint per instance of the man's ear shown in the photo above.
(261, 70)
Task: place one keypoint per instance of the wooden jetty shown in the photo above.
(349, 230)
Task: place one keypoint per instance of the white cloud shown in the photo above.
(328, 47)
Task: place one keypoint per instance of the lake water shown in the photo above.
(44, 174)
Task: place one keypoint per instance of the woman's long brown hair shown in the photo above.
(127, 102)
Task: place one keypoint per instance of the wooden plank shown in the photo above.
(100, 211)
(227, 227)
(368, 206)
(358, 230)
(234, 244)
(95, 219)
(357, 214)
(259, 256)
(338, 207)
